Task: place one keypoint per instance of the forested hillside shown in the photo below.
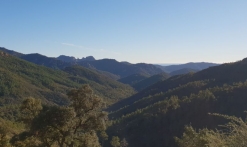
(39, 59)
(133, 79)
(141, 81)
(109, 67)
(20, 79)
(158, 122)
(123, 73)
(150, 81)
(217, 75)
(120, 68)
(183, 71)
(156, 115)
(46, 61)
(166, 112)
(46, 96)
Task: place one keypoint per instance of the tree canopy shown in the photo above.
(63, 126)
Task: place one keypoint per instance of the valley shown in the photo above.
(147, 105)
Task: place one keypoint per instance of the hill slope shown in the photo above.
(195, 66)
(133, 79)
(11, 52)
(117, 69)
(120, 68)
(182, 71)
(46, 61)
(154, 116)
(218, 75)
(158, 123)
(150, 81)
(20, 79)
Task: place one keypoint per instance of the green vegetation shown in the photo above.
(216, 76)
(38, 107)
(182, 71)
(120, 68)
(20, 79)
(154, 116)
(142, 81)
(133, 79)
(111, 90)
(158, 122)
(58, 126)
(150, 81)
(232, 134)
(115, 142)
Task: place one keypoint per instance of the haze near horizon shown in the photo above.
(134, 31)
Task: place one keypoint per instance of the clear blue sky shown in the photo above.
(151, 31)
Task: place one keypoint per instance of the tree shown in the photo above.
(115, 141)
(30, 108)
(7, 129)
(124, 143)
(234, 134)
(89, 116)
(53, 125)
(103, 137)
(74, 125)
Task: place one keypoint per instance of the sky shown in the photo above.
(150, 31)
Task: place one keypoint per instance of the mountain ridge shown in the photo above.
(156, 114)
(20, 78)
(107, 65)
(219, 74)
(73, 59)
(190, 65)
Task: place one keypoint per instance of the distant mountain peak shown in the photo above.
(64, 56)
(67, 58)
(73, 59)
(88, 58)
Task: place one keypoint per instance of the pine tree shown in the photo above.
(115, 142)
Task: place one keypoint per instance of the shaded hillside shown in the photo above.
(191, 65)
(120, 68)
(158, 123)
(53, 62)
(58, 64)
(218, 75)
(46, 61)
(20, 79)
(182, 71)
(107, 74)
(160, 112)
(133, 79)
(112, 90)
(131, 105)
(109, 67)
(150, 81)
(39, 59)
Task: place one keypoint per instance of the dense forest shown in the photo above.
(68, 102)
